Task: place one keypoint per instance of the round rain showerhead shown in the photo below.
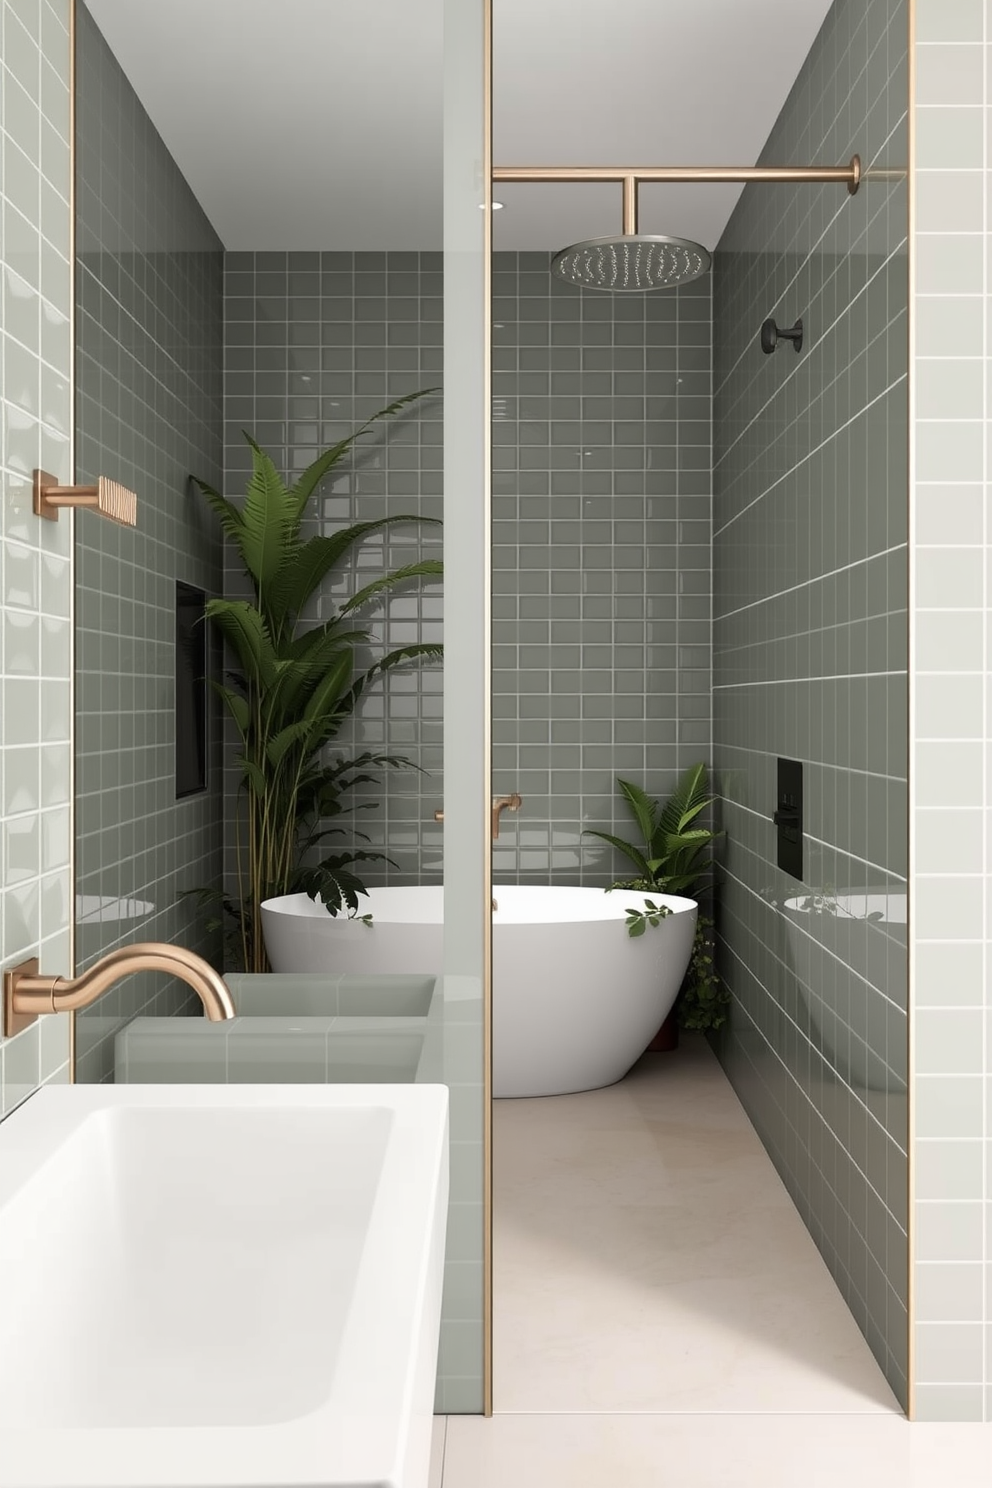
(635, 261)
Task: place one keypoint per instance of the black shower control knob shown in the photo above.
(771, 335)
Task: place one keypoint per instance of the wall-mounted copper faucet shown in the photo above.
(26, 994)
(500, 803)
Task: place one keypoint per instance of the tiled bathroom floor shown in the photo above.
(662, 1316)
(648, 1258)
(708, 1451)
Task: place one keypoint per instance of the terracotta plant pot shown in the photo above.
(667, 1036)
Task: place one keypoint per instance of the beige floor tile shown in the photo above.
(437, 1452)
(648, 1258)
(706, 1451)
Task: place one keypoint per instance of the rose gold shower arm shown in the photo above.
(629, 206)
(26, 994)
(632, 175)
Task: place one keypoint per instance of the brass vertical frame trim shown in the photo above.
(486, 804)
(910, 743)
(73, 395)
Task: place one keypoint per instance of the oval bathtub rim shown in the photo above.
(301, 906)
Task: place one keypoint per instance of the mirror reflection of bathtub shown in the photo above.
(576, 1000)
(865, 930)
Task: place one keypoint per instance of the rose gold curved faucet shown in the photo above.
(512, 802)
(500, 803)
(26, 994)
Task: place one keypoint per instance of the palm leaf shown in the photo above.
(226, 512)
(627, 848)
(386, 663)
(427, 567)
(245, 632)
(289, 694)
(310, 564)
(319, 468)
(304, 675)
(237, 706)
(329, 690)
(687, 800)
(281, 743)
(645, 810)
(269, 523)
(316, 641)
(318, 713)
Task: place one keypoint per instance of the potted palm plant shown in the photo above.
(673, 858)
(293, 686)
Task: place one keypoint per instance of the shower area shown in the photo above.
(700, 554)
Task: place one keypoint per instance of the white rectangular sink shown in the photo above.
(221, 1286)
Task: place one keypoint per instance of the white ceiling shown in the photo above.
(312, 124)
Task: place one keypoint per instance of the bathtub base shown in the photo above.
(575, 1014)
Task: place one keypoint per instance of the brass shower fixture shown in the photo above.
(108, 497)
(642, 261)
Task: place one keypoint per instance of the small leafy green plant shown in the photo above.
(294, 685)
(673, 858)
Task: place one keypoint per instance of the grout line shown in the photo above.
(755, 894)
(815, 579)
(807, 457)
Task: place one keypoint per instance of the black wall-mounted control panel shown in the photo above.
(788, 817)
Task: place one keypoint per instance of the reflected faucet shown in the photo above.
(500, 803)
(26, 994)
(504, 803)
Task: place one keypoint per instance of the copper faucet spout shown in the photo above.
(25, 994)
(512, 802)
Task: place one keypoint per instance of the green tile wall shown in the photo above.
(601, 558)
(601, 525)
(149, 292)
(810, 657)
(314, 344)
(35, 556)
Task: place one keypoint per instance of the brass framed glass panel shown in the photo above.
(244, 267)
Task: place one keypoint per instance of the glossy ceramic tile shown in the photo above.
(35, 557)
(149, 305)
(699, 1450)
(810, 649)
(601, 558)
(647, 1257)
(315, 343)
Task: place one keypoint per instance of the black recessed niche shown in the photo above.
(191, 691)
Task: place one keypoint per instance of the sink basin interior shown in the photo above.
(130, 1256)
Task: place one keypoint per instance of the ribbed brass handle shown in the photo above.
(108, 498)
(439, 816)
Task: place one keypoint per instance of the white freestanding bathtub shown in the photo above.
(575, 999)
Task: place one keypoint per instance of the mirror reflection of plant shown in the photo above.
(294, 687)
(672, 858)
